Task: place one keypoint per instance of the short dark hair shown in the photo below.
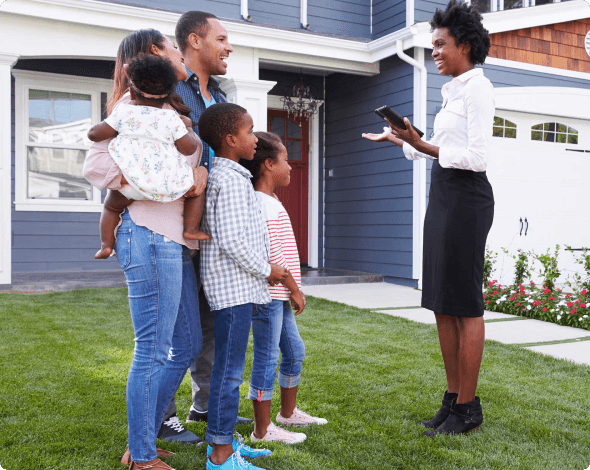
(192, 22)
(219, 120)
(268, 146)
(153, 75)
(464, 24)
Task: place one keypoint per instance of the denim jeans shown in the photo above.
(274, 329)
(232, 330)
(164, 310)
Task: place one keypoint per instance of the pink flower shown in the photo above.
(532, 283)
(495, 292)
(583, 305)
(573, 311)
(544, 309)
(518, 304)
(570, 304)
(546, 291)
(484, 296)
(551, 298)
(487, 301)
(536, 303)
(584, 292)
(567, 296)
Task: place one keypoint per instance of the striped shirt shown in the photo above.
(190, 93)
(283, 248)
(235, 262)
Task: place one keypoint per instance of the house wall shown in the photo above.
(348, 18)
(424, 9)
(368, 201)
(56, 241)
(558, 45)
(388, 16)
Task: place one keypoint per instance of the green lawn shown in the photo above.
(64, 359)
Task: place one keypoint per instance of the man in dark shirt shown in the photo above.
(204, 44)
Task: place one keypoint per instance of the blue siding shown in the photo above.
(345, 17)
(388, 16)
(285, 13)
(368, 202)
(424, 9)
(230, 9)
(57, 241)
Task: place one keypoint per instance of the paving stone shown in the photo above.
(531, 331)
(368, 295)
(578, 352)
(497, 315)
(420, 315)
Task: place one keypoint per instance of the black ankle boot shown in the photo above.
(463, 418)
(442, 414)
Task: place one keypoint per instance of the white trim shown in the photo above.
(536, 68)
(274, 102)
(419, 166)
(570, 103)
(6, 63)
(410, 7)
(303, 16)
(244, 10)
(25, 80)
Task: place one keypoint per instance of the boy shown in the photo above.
(235, 271)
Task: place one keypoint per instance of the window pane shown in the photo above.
(572, 131)
(56, 174)
(498, 132)
(510, 133)
(277, 126)
(509, 4)
(294, 150)
(56, 117)
(561, 128)
(510, 124)
(561, 138)
(536, 135)
(537, 127)
(293, 130)
(498, 121)
(549, 137)
(572, 139)
(549, 126)
(483, 6)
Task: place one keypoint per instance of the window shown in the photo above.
(504, 128)
(485, 6)
(554, 132)
(53, 115)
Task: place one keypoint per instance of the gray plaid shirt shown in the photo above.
(235, 262)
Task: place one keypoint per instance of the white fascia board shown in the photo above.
(537, 68)
(540, 15)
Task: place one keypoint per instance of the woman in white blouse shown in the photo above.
(460, 209)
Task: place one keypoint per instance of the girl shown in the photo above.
(273, 325)
(147, 146)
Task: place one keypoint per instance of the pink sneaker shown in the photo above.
(276, 434)
(299, 418)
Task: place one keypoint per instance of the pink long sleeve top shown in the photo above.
(163, 218)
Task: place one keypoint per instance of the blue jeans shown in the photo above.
(165, 314)
(232, 330)
(275, 329)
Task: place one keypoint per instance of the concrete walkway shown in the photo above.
(562, 342)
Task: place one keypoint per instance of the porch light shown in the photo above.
(299, 103)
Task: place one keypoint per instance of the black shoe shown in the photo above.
(173, 431)
(442, 414)
(195, 416)
(464, 417)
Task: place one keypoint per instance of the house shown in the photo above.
(358, 205)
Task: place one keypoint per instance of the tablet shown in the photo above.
(396, 119)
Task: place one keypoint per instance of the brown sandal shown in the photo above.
(155, 464)
(162, 454)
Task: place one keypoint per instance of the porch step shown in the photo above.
(325, 276)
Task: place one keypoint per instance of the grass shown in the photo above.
(65, 358)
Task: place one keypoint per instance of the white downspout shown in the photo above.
(303, 15)
(245, 14)
(419, 193)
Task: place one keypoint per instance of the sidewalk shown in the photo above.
(562, 342)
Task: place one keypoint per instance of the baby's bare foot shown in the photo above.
(193, 234)
(104, 253)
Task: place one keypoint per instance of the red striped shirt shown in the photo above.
(283, 248)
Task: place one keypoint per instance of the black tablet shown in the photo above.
(396, 119)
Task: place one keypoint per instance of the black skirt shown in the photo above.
(458, 218)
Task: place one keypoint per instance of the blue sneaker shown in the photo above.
(235, 462)
(244, 450)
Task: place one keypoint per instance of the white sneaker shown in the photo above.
(299, 418)
(276, 434)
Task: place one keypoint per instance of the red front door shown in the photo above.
(295, 196)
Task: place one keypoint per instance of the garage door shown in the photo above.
(540, 173)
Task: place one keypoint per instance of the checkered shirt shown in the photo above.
(190, 93)
(235, 262)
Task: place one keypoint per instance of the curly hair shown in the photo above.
(218, 121)
(196, 22)
(464, 24)
(268, 146)
(152, 75)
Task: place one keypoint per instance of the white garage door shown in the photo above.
(541, 183)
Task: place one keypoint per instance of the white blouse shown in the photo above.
(463, 127)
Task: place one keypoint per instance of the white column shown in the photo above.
(251, 94)
(6, 63)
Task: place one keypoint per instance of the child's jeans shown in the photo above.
(274, 329)
(231, 330)
(165, 314)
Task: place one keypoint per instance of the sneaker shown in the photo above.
(275, 434)
(195, 416)
(235, 462)
(173, 431)
(299, 418)
(245, 451)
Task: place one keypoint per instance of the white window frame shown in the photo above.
(25, 81)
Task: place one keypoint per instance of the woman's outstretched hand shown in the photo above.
(386, 136)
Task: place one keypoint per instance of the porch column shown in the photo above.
(251, 94)
(6, 63)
